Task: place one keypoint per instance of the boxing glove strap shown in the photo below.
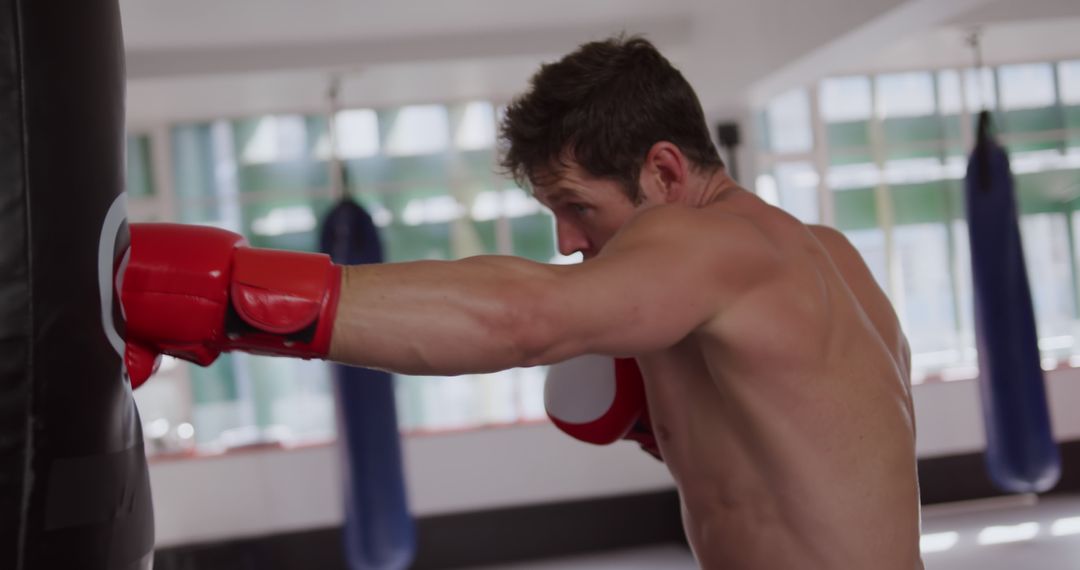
(282, 302)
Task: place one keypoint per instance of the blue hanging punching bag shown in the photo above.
(74, 485)
(1021, 454)
(379, 533)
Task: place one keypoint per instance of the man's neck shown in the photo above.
(716, 187)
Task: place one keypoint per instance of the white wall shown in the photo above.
(260, 492)
(949, 418)
(251, 493)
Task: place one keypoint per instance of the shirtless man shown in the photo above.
(775, 370)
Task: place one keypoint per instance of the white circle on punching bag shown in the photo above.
(110, 227)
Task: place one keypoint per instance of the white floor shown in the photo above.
(1011, 533)
(673, 557)
(1014, 533)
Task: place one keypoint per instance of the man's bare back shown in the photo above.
(786, 421)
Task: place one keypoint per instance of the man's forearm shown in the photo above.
(436, 317)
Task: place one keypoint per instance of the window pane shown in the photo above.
(870, 244)
(409, 171)
(293, 399)
(285, 223)
(1033, 161)
(531, 392)
(845, 99)
(914, 170)
(765, 188)
(950, 102)
(165, 406)
(1026, 86)
(1028, 121)
(357, 133)
(193, 162)
(965, 286)
(905, 95)
(297, 177)
(140, 180)
(789, 125)
(949, 98)
(510, 203)
(1046, 253)
(980, 89)
(913, 136)
(928, 316)
(921, 203)
(851, 155)
(858, 175)
(534, 236)
(217, 406)
(435, 209)
(797, 190)
(439, 403)
(418, 129)
(436, 403)
(274, 138)
(476, 128)
(855, 209)
(1069, 81)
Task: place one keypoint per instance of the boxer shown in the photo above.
(775, 372)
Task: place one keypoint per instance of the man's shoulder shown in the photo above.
(840, 250)
(712, 226)
(830, 237)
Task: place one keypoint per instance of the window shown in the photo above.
(1026, 86)
(356, 132)
(1069, 82)
(789, 129)
(1047, 253)
(796, 188)
(905, 95)
(417, 130)
(274, 139)
(981, 90)
(426, 173)
(894, 149)
(476, 129)
(950, 94)
(846, 99)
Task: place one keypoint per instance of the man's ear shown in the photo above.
(664, 173)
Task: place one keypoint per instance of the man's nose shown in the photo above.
(570, 238)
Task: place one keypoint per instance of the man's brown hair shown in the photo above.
(604, 106)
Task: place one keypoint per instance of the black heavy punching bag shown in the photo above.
(74, 489)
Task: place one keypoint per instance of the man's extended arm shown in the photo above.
(666, 273)
(653, 284)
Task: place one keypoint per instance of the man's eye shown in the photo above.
(578, 208)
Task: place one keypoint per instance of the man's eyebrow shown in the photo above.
(561, 194)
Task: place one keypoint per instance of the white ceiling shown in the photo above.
(209, 58)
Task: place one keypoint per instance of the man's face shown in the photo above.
(588, 210)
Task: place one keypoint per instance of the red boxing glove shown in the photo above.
(641, 431)
(600, 400)
(194, 292)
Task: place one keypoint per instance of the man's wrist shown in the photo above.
(282, 303)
